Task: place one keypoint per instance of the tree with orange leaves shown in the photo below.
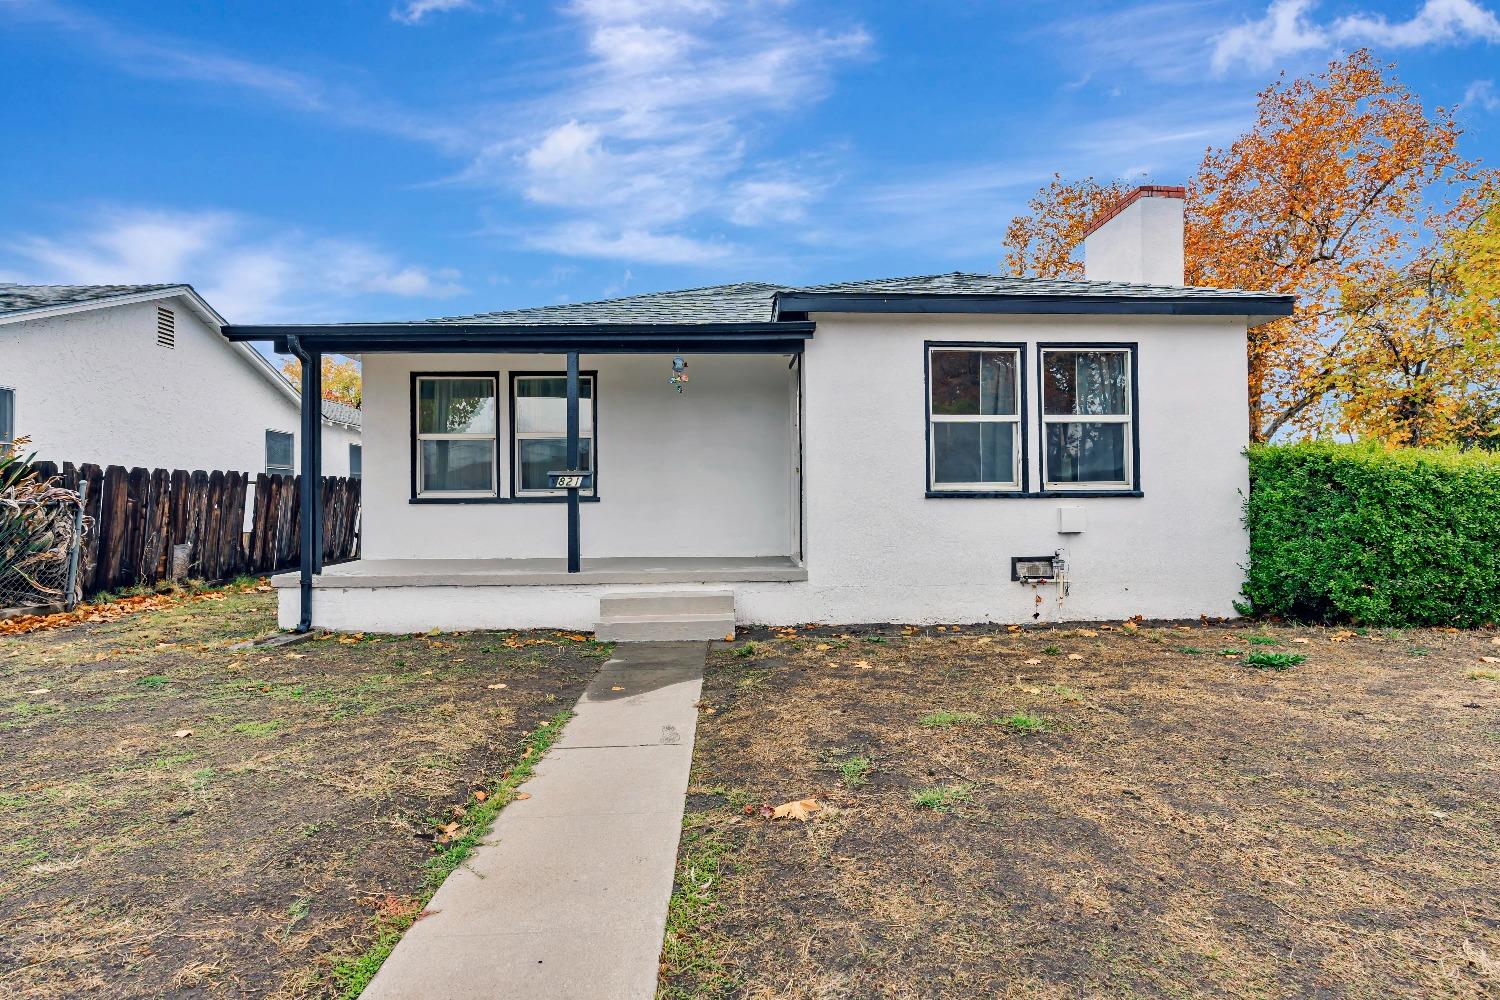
(341, 377)
(1325, 198)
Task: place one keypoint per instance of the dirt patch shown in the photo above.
(1104, 811)
(179, 819)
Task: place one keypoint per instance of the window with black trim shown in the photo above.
(1088, 418)
(7, 415)
(539, 430)
(280, 453)
(455, 435)
(975, 426)
(356, 461)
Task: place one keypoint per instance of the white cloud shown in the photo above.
(1287, 29)
(1481, 94)
(413, 11)
(1437, 22)
(646, 141)
(1283, 31)
(248, 270)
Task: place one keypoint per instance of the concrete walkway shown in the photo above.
(567, 896)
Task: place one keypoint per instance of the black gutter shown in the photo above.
(1086, 305)
(545, 338)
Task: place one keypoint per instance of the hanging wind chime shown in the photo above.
(679, 375)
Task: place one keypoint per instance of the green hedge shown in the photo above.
(1360, 533)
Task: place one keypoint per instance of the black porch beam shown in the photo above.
(575, 545)
(310, 516)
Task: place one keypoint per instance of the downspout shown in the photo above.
(306, 531)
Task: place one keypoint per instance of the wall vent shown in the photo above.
(166, 327)
(1033, 569)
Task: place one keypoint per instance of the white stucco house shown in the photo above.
(138, 375)
(954, 447)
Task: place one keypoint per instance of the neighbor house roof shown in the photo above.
(32, 298)
(341, 413)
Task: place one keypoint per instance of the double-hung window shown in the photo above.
(539, 430)
(455, 426)
(280, 446)
(7, 415)
(1088, 414)
(974, 422)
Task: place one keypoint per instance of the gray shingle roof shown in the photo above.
(341, 413)
(753, 301)
(25, 298)
(744, 302)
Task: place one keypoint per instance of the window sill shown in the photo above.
(1018, 495)
(496, 500)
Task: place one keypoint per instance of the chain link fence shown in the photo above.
(45, 575)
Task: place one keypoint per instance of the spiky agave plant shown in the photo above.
(25, 528)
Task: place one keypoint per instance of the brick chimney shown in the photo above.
(1139, 240)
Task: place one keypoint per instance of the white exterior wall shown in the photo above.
(709, 472)
(876, 547)
(94, 386)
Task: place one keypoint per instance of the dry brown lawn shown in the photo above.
(244, 859)
(1085, 812)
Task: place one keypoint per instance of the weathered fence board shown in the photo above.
(139, 515)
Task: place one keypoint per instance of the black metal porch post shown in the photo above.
(309, 515)
(574, 545)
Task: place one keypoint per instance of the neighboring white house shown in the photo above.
(138, 375)
(954, 448)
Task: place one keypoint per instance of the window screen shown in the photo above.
(279, 453)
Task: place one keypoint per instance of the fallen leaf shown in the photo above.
(296, 656)
(427, 673)
(617, 688)
(48, 690)
(709, 711)
(1087, 632)
(822, 646)
(862, 664)
(1032, 662)
(182, 733)
(1486, 659)
(522, 796)
(729, 637)
(1075, 656)
(982, 640)
(799, 810)
(492, 687)
(1302, 641)
(1032, 690)
(481, 795)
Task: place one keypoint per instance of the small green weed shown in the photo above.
(1052, 650)
(1231, 652)
(941, 798)
(854, 771)
(745, 651)
(1191, 650)
(155, 682)
(1275, 661)
(1262, 640)
(1484, 675)
(1023, 723)
(942, 719)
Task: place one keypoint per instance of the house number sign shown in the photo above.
(571, 479)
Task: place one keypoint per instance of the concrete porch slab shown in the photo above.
(566, 899)
(552, 572)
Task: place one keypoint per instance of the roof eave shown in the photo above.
(363, 338)
(1256, 306)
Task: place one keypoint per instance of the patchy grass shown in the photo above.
(1024, 723)
(941, 798)
(1180, 827)
(277, 849)
(945, 719)
(855, 771)
(1275, 661)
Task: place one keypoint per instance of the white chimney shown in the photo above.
(1139, 240)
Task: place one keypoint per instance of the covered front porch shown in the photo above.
(518, 477)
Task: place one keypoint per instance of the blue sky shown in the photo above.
(306, 161)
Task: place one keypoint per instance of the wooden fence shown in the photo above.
(141, 515)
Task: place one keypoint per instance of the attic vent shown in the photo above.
(166, 327)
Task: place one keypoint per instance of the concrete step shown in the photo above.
(631, 603)
(664, 628)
